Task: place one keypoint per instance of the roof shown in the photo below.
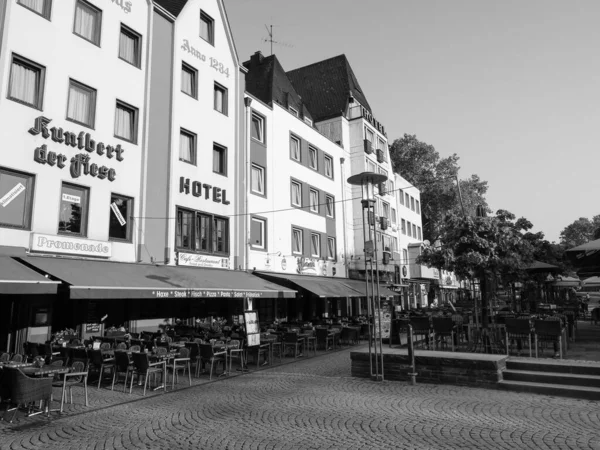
(326, 85)
(173, 6)
(267, 81)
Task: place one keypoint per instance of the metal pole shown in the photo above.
(367, 292)
(378, 304)
(411, 356)
(373, 239)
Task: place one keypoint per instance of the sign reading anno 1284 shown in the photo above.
(192, 259)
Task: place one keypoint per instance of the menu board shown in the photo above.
(252, 328)
(386, 321)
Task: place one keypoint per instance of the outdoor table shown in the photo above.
(44, 371)
(15, 365)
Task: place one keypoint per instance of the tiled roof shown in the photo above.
(326, 85)
(173, 6)
(267, 81)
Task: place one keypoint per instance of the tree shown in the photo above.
(420, 164)
(579, 232)
(549, 252)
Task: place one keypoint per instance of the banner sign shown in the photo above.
(208, 293)
(118, 215)
(11, 195)
(70, 246)
(195, 260)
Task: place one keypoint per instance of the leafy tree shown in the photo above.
(549, 252)
(579, 232)
(421, 165)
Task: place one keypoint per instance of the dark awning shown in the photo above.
(104, 279)
(384, 291)
(15, 278)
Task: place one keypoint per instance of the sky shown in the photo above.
(512, 87)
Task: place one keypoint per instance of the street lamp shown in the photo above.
(366, 181)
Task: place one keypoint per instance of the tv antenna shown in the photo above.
(270, 39)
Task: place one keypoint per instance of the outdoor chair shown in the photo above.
(209, 354)
(122, 366)
(275, 344)
(421, 327)
(519, 330)
(194, 349)
(143, 367)
(161, 350)
(99, 363)
(80, 354)
(236, 351)
(5, 357)
(121, 346)
(135, 348)
(31, 350)
(571, 324)
(547, 331)
(76, 377)
(257, 352)
(181, 362)
(17, 358)
(325, 340)
(24, 391)
(57, 363)
(293, 341)
(443, 327)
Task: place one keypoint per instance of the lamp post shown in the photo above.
(367, 180)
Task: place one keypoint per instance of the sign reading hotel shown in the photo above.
(79, 164)
(369, 118)
(71, 246)
(195, 260)
(205, 190)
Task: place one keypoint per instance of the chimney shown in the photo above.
(256, 59)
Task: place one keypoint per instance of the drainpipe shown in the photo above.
(342, 178)
(247, 103)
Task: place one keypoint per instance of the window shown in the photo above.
(407, 200)
(296, 194)
(295, 148)
(315, 244)
(187, 147)
(371, 166)
(257, 233)
(219, 159)
(312, 158)
(258, 128)
(201, 232)
(369, 135)
(329, 202)
(419, 233)
(386, 209)
(314, 200)
(403, 226)
(189, 80)
(394, 244)
(414, 228)
(418, 205)
(73, 210)
(394, 217)
(121, 209)
(207, 28)
(26, 82)
(381, 145)
(412, 203)
(308, 121)
(88, 21)
(129, 46)
(405, 256)
(331, 248)
(16, 199)
(296, 241)
(81, 107)
(126, 118)
(390, 188)
(258, 179)
(220, 99)
(328, 166)
(409, 228)
(401, 196)
(42, 7)
(294, 111)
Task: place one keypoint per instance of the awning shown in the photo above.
(360, 286)
(15, 278)
(566, 282)
(539, 266)
(104, 279)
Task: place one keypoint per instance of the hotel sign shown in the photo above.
(71, 246)
(369, 118)
(195, 260)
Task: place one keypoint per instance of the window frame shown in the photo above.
(412, 203)
(418, 207)
(41, 82)
(223, 158)
(194, 146)
(401, 195)
(211, 237)
(414, 228)
(299, 184)
(210, 22)
(407, 200)
(260, 169)
(315, 151)
(261, 121)
(130, 205)
(85, 211)
(225, 93)
(296, 139)
(394, 215)
(93, 92)
(98, 13)
(370, 164)
(185, 67)
(385, 209)
(312, 191)
(409, 228)
(47, 9)
(308, 121)
(329, 199)
(371, 133)
(326, 158)
(419, 233)
(138, 42)
(403, 226)
(294, 111)
(29, 192)
(333, 256)
(318, 236)
(301, 234)
(263, 223)
(134, 131)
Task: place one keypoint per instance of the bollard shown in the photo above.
(411, 356)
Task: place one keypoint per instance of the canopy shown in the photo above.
(586, 257)
(591, 282)
(103, 279)
(538, 266)
(15, 278)
(566, 282)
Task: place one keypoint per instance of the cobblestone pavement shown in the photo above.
(315, 404)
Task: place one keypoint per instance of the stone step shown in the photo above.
(586, 393)
(568, 379)
(554, 366)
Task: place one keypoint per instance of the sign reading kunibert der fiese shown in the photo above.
(71, 246)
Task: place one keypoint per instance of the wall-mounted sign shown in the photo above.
(214, 63)
(206, 293)
(69, 245)
(80, 163)
(195, 260)
(369, 118)
(198, 189)
(117, 213)
(11, 195)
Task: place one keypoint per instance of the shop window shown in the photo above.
(312, 158)
(296, 194)
(81, 107)
(295, 148)
(329, 202)
(219, 159)
(189, 80)
(130, 46)
(187, 147)
(121, 210)
(328, 166)
(258, 179)
(88, 22)
(331, 251)
(207, 28)
(258, 128)
(296, 241)
(314, 201)
(258, 228)
(16, 199)
(73, 210)
(126, 122)
(26, 82)
(42, 7)
(220, 99)
(315, 245)
(206, 233)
